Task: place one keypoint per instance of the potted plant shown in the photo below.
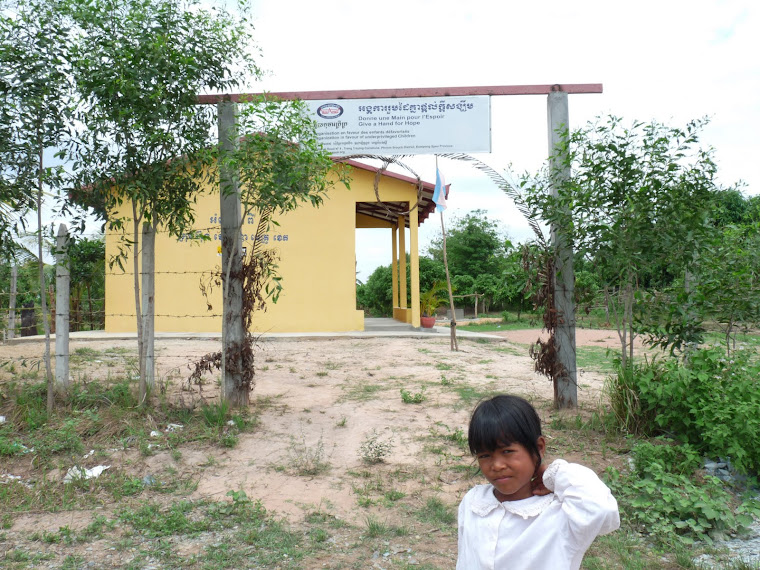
(430, 300)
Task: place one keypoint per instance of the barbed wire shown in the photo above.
(104, 355)
(162, 315)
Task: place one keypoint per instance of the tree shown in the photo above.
(475, 245)
(376, 295)
(36, 92)
(139, 65)
(274, 167)
(636, 206)
(87, 270)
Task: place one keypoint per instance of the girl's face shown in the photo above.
(510, 469)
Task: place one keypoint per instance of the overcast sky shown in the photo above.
(670, 60)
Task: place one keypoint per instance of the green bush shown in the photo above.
(679, 459)
(710, 402)
(663, 498)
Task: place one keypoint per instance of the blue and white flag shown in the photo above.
(439, 194)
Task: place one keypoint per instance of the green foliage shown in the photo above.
(664, 499)
(35, 91)
(727, 285)
(678, 459)
(376, 295)
(27, 283)
(438, 513)
(432, 298)
(710, 402)
(87, 267)
(636, 206)
(215, 415)
(412, 398)
(475, 245)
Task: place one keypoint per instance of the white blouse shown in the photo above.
(550, 532)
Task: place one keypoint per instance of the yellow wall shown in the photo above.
(317, 265)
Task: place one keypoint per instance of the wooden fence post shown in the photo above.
(12, 303)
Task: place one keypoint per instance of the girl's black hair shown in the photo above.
(502, 421)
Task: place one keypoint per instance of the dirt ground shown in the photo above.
(320, 399)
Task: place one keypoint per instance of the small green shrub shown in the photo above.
(215, 415)
(409, 398)
(662, 499)
(711, 402)
(680, 459)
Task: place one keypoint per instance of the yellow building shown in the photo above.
(316, 247)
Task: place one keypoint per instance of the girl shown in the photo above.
(529, 516)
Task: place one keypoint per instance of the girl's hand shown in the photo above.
(537, 482)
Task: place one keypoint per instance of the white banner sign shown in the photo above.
(415, 125)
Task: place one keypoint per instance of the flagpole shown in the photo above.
(453, 323)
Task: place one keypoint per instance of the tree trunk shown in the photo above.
(136, 217)
(454, 345)
(43, 288)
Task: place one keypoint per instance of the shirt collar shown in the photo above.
(486, 502)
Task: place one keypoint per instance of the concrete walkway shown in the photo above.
(372, 328)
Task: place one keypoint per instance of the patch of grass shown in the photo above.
(596, 358)
(437, 513)
(216, 414)
(471, 394)
(393, 495)
(513, 350)
(443, 366)
(361, 391)
(459, 438)
(45, 495)
(620, 550)
(412, 398)
(19, 558)
(322, 518)
(307, 458)
(151, 521)
(377, 529)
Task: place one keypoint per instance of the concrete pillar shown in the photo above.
(402, 261)
(62, 308)
(394, 265)
(233, 330)
(414, 262)
(566, 385)
(148, 288)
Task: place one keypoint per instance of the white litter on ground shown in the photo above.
(81, 473)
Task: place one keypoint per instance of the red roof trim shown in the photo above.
(402, 177)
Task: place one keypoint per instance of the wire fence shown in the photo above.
(85, 313)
